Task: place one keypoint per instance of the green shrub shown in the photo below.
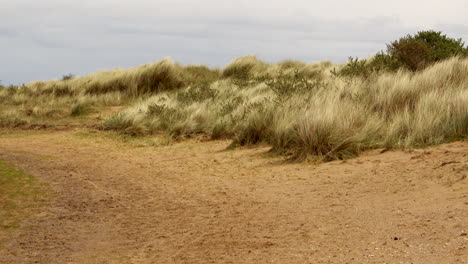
(381, 62)
(424, 48)
(287, 85)
(197, 93)
(412, 52)
(355, 67)
(384, 62)
(441, 47)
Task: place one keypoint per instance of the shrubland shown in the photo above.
(308, 112)
(413, 95)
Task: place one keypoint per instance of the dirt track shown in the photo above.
(192, 202)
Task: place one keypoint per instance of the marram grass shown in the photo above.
(301, 110)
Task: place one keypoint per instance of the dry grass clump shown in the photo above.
(146, 79)
(150, 78)
(316, 115)
(243, 68)
(301, 110)
(76, 96)
(21, 105)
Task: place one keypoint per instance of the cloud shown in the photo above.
(45, 39)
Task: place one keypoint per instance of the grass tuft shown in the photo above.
(18, 193)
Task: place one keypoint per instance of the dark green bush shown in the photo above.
(441, 47)
(410, 52)
(424, 48)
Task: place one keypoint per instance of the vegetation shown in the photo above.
(425, 48)
(413, 95)
(325, 116)
(18, 192)
(410, 52)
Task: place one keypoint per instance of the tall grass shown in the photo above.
(44, 100)
(302, 110)
(147, 79)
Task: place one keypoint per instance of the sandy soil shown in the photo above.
(194, 202)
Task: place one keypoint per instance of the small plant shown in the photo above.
(355, 67)
(165, 116)
(118, 122)
(155, 109)
(197, 93)
(384, 62)
(228, 106)
(68, 77)
(286, 85)
(78, 110)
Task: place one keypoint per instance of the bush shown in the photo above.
(355, 67)
(68, 77)
(197, 93)
(384, 62)
(412, 52)
(424, 48)
(287, 85)
(441, 47)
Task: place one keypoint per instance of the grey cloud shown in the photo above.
(49, 38)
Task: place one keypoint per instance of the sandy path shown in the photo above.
(195, 203)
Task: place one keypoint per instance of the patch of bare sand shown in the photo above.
(195, 203)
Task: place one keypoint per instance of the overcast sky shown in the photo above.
(46, 39)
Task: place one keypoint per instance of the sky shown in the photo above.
(42, 40)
